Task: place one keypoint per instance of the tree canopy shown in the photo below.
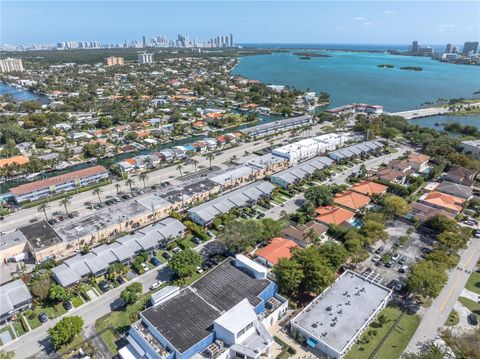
(131, 293)
(427, 279)
(185, 263)
(65, 330)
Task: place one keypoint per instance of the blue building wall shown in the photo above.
(199, 347)
(265, 295)
(145, 346)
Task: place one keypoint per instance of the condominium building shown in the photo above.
(62, 183)
(145, 58)
(114, 61)
(11, 65)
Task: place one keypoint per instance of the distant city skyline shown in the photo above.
(342, 22)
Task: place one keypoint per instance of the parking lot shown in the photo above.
(385, 263)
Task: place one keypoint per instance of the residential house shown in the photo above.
(352, 200)
(277, 249)
(455, 189)
(14, 298)
(334, 215)
(443, 201)
(369, 188)
(419, 162)
(301, 233)
(461, 175)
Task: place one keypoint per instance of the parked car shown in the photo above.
(403, 269)
(145, 267)
(210, 234)
(155, 261)
(67, 305)
(392, 284)
(379, 250)
(176, 250)
(199, 270)
(166, 255)
(43, 317)
(104, 286)
(472, 319)
(389, 264)
(376, 258)
(399, 286)
(402, 260)
(156, 284)
(395, 257)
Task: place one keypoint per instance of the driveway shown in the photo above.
(36, 341)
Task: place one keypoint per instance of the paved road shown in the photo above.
(435, 316)
(35, 343)
(294, 203)
(77, 203)
(425, 112)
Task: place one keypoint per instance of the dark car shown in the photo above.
(472, 319)
(392, 284)
(379, 250)
(389, 264)
(104, 286)
(51, 222)
(67, 305)
(43, 317)
(403, 260)
(197, 240)
(166, 255)
(155, 261)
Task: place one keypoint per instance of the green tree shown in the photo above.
(6, 355)
(179, 168)
(117, 187)
(334, 254)
(317, 274)
(131, 293)
(65, 330)
(238, 236)
(373, 231)
(185, 263)
(65, 202)
(143, 176)
(194, 163)
(319, 195)
(129, 182)
(271, 228)
(210, 157)
(395, 206)
(440, 223)
(40, 287)
(43, 208)
(427, 279)
(58, 293)
(288, 275)
(453, 240)
(97, 192)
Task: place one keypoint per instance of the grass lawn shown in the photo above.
(473, 283)
(399, 338)
(470, 304)
(34, 323)
(77, 301)
(370, 340)
(19, 327)
(452, 319)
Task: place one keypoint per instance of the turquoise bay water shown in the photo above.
(20, 94)
(438, 122)
(354, 77)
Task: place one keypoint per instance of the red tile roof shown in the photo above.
(19, 160)
(276, 249)
(57, 180)
(444, 200)
(369, 188)
(351, 199)
(333, 215)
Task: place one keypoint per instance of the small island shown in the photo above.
(305, 58)
(310, 54)
(387, 66)
(412, 68)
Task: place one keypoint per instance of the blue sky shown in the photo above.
(336, 22)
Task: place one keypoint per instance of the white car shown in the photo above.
(199, 270)
(376, 258)
(155, 285)
(145, 267)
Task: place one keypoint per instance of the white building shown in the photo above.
(145, 58)
(333, 321)
(472, 147)
(11, 65)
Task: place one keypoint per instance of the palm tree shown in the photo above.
(129, 183)
(117, 187)
(179, 167)
(143, 176)
(65, 202)
(194, 163)
(210, 157)
(43, 208)
(97, 192)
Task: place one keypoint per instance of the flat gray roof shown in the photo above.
(11, 239)
(337, 315)
(356, 149)
(12, 295)
(40, 235)
(303, 170)
(238, 198)
(277, 124)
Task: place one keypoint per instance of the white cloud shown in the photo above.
(359, 18)
(444, 27)
(389, 12)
